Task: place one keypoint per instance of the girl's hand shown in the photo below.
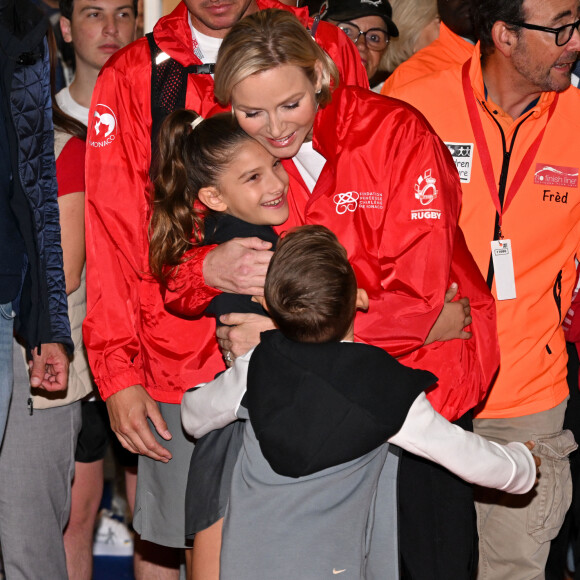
(452, 319)
(241, 334)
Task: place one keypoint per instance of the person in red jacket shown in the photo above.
(144, 358)
(373, 171)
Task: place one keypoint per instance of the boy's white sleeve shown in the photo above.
(426, 433)
(215, 404)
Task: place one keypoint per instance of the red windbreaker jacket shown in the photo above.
(391, 193)
(130, 337)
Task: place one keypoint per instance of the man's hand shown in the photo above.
(238, 266)
(128, 412)
(452, 319)
(242, 333)
(49, 368)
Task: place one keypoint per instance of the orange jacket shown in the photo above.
(445, 52)
(542, 219)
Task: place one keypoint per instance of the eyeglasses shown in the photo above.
(375, 38)
(563, 33)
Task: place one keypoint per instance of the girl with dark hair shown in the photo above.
(215, 183)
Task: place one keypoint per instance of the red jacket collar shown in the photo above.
(173, 34)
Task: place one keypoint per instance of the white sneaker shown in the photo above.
(112, 537)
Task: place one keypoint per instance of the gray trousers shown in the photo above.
(36, 470)
(6, 378)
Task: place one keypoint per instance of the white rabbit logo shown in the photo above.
(104, 127)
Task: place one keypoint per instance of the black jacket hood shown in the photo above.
(313, 406)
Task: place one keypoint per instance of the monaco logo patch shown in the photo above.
(350, 201)
(103, 128)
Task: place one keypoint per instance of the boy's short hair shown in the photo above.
(66, 7)
(310, 287)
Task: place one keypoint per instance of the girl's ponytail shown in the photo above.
(176, 221)
(192, 154)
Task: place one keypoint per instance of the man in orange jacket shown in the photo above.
(510, 120)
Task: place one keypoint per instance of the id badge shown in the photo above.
(503, 267)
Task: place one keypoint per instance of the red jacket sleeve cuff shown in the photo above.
(187, 293)
(110, 385)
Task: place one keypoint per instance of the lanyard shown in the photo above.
(483, 149)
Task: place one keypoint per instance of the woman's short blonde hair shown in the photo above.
(265, 40)
(411, 17)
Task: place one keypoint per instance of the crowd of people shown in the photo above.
(327, 326)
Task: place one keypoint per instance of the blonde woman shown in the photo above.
(373, 171)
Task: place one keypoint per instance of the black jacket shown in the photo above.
(42, 315)
(314, 406)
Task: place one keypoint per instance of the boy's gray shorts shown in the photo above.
(160, 500)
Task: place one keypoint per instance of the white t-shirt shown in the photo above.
(208, 45)
(309, 163)
(71, 107)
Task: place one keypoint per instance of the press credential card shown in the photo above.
(503, 266)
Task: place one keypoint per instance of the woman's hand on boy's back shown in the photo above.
(454, 317)
(238, 266)
(242, 333)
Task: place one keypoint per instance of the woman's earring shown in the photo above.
(317, 95)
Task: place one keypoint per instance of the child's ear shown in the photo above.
(211, 198)
(362, 299)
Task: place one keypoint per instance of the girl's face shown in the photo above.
(253, 187)
(277, 107)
